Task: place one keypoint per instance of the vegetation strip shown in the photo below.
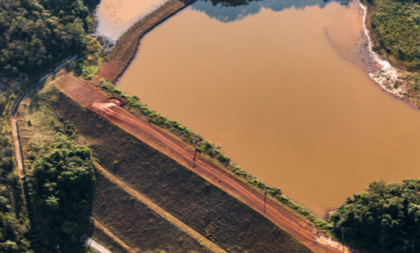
(167, 216)
(18, 151)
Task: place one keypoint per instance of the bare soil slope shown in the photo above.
(130, 219)
(176, 187)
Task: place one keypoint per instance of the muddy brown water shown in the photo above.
(281, 87)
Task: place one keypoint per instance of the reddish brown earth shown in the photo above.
(92, 99)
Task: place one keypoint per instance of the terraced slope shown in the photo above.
(207, 209)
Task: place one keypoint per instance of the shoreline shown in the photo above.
(386, 75)
(117, 30)
(125, 48)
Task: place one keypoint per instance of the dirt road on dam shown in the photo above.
(92, 99)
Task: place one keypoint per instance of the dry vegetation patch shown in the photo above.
(133, 221)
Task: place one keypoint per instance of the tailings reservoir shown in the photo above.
(282, 87)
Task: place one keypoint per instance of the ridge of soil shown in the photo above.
(92, 99)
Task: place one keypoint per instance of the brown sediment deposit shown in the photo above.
(92, 99)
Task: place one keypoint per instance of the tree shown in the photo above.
(385, 218)
(62, 182)
(52, 202)
(35, 35)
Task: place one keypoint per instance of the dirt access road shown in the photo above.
(94, 100)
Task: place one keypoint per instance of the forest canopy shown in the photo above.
(62, 181)
(36, 34)
(385, 218)
(13, 219)
(397, 25)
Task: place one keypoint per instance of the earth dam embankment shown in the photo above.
(282, 86)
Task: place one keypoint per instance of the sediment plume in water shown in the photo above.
(115, 17)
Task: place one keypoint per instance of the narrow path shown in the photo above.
(101, 226)
(177, 150)
(33, 233)
(161, 212)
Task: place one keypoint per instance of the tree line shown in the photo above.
(62, 180)
(384, 218)
(14, 226)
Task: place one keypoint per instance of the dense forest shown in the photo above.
(14, 225)
(385, 218)
(62, 180)
(34, 35)
(397, 25)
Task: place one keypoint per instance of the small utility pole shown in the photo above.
(196, 149)
(265, 195)
(195, 152)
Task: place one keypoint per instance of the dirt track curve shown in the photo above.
(91, 98)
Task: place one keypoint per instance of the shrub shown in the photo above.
(275, 191)
(223, 158)
(283, 198)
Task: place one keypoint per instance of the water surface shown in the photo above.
(278, 84)
(116, 16)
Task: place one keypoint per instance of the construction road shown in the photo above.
(92, 99)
